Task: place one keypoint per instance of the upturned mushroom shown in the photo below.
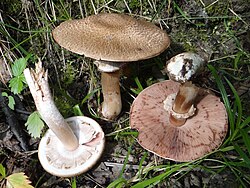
(111, 39)
(181, 68)
(178, 122)
(70, 146)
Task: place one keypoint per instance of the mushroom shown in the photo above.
(189, 122)
(183, 66)
(70, 146)
(178, 122)
(111, 39)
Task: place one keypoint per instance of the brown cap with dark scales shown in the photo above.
(112, 37)
(201, 134)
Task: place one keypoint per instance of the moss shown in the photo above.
(69, 74)
(12, 7)
(189, 40)
(64, 105)
(217, 9)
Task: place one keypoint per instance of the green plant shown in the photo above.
(34, 124)
(11, 100)
(139, 87)
(17, 82)
(73, 182)
(219, 28)
(237, 142)
(15, 180)
(238, 138)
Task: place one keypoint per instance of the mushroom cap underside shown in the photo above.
(200, 135)
(58, 161)
(112, 37)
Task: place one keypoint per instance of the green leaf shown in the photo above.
(18, 66)
(34, 125)
(4, 94)
(11, 102)
(16, 84)
(2, 171)
(18, 180)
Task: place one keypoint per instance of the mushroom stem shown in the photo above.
(112, 103)
(39, 88)
(183, 106)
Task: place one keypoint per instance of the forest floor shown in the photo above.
(218, 30)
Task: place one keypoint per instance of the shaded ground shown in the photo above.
(218, 30)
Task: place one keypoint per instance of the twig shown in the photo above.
(12, 120)
(119, 165)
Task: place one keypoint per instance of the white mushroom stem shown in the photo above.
(183, 106)
(39, 88)
(112, 103)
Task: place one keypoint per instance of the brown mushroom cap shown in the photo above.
(201, 133)
(112, 37)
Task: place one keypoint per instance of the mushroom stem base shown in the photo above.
(175, 121)
(181, 105)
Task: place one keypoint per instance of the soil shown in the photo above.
(213, 38)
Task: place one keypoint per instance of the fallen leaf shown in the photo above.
(18, 180)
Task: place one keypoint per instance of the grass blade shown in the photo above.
(181, 12)
(148, 182)
(117, 183)
(246, 140)
(238, 102)
(225, 99)
(243, 155)
(141, 162)
(245, 122)
(125, 162)
(89, 95)
(160, 177)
